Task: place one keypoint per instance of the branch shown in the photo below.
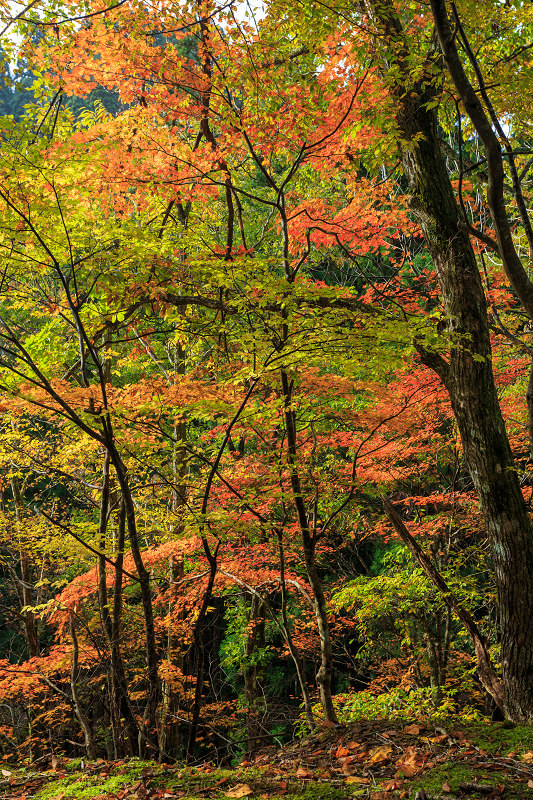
(84, 543)
(486, 672)
(511, 261)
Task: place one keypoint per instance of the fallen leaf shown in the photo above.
(346, 766)
(527, 756)
(391, 786)
(446, 787)
(411, 763)
(380, 755)
(530, 783)
(412, 730)
(356, 779)
(341, 751)
(6, 773)
(302, 772)
(241, 790)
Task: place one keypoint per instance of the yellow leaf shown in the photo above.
(356, 779)
(241, 790)
(380, 754)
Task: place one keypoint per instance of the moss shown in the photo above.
(84, 787)
(498, 737)
(454, 774)
(87, 785)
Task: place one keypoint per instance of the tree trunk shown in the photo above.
(84, 722)
(468, 374)
(150, 733)
(255, 640)
(325, 671)
(26, 582)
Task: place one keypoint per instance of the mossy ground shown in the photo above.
(374, 760)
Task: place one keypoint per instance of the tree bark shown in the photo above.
(150, 733)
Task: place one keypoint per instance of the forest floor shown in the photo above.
(372, 760)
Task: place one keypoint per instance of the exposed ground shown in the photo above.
(378, 760)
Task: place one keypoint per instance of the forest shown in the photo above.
(266, 375)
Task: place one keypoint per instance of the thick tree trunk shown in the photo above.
(468, 374)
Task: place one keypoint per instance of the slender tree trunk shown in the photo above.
(486, 672)
(288, 637)
(123, 724)
(468, 374)
(85, 726)
(255, 640)
(168, 728)
(149, 735)
(199, 650)
(325, 672)
(26, 583)
(529, 400)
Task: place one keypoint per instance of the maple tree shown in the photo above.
(219, 345)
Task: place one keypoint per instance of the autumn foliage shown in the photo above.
(215, 305)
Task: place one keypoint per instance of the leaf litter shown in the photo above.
(369, 759)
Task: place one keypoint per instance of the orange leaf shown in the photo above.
(341, 751)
